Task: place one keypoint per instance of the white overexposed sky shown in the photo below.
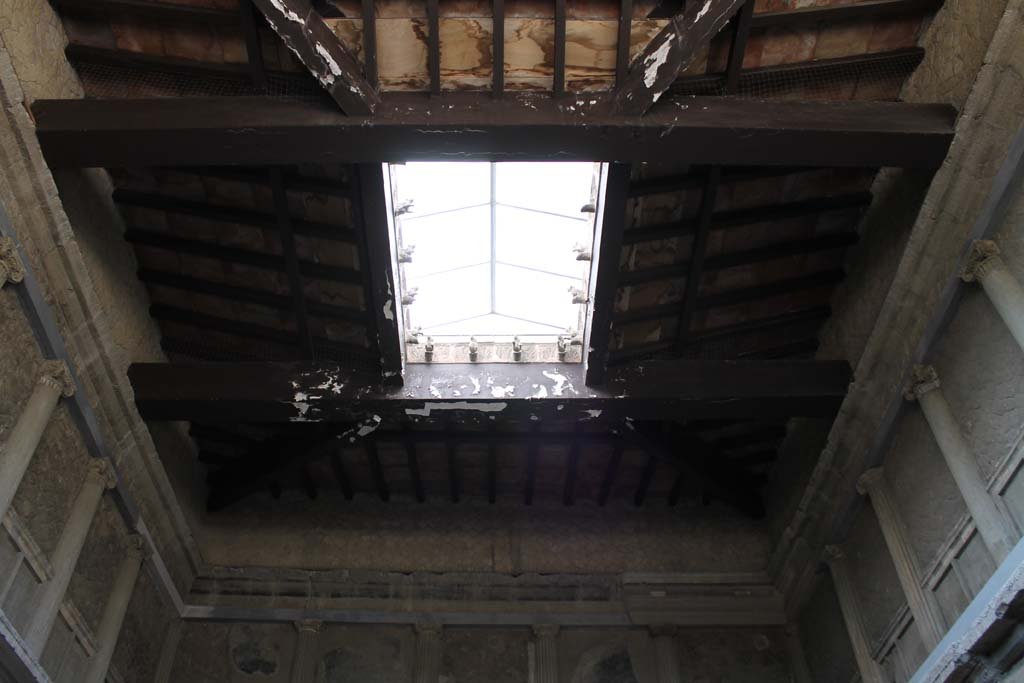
(537, 222)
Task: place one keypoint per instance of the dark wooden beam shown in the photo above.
(670, 52)
(694, 180)
(771, 252)
(291, 261)
(253, 44)
(572, 464)
(645, 481)
(622, 42)
(467, 126)
(377, 470)
(434, 47)
(413, 461)
(492, 472)
(558, 77)
(293, 181)
(498, 49)
(611, 207)
(740, 217)
(732, 297)
(229, 214)
(813, 317)
(304, 32)
(698, 252)
(277, 302)
(531, 468)
(373, 211)
(149, 11)
(256, 259)
(454, 480)
(610, 472)
(864, 10)
(247, 330)
(370, 42)
(295, 392)
(341, 474)
(738, 46)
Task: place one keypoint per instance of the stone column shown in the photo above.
(17, 451)
(666, 654)
(113, 613)
(428, 653)
(99, 477)
(11, 268)
(922, 603)
(870, 671)
(546, 641)
(986, 266)
(961, 462)
(304, 665)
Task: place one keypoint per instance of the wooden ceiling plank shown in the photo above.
(678, 389)
(695, 130)
(670, 53)
(304, 32)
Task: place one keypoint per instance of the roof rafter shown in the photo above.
(304, 32)
(670, 52)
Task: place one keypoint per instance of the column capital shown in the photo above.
(102, 472)
(869, 482)
(546, 630)
(308, 625)
(56, 374)
(923, 379)
(428, 629)
(11, 268)
(834, 553)
(982, 259)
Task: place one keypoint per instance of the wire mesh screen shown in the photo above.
(110, 81)
(876, 77)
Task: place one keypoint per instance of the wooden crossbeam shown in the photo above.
(670, 52)
(304, 32)
(296, 392)
(468, 126)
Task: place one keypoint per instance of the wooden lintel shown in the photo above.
(680, 389)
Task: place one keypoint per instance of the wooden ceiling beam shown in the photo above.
(303, 30)
(669, 54)
(296, 392)
(473, 126)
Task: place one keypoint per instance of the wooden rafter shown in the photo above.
(304, 32)
(670, 52)
(695, 130)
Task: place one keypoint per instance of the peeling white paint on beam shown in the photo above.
(332, 66)
(427, 408)
(285, 12)
(703, 10)
(654, 62)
